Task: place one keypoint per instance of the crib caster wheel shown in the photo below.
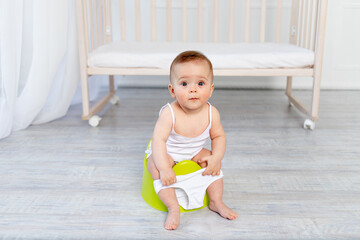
(94, 121)
(114, 100)
(309, 124)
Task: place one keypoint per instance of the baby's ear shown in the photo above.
(171, 90)
(212, 89)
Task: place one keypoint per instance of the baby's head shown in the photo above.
(191, 80)
(190, 56)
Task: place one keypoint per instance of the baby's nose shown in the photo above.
(193, 87)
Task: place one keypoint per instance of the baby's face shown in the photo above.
(191, 84)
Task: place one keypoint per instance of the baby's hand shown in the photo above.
(167, 177)
(213, 165)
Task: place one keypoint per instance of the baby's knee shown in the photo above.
(203, 164)
(171, 161)
(154, 172)
(203, 153)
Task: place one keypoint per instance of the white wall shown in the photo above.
(342, 45)
(341, 66)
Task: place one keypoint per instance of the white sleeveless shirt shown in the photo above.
(184, 148)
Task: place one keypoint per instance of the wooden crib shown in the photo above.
(258, 50)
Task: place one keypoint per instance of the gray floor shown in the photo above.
(66, 180)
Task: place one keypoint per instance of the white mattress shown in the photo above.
(222, 55)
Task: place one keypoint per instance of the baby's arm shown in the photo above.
(161, 134)
(218, 145)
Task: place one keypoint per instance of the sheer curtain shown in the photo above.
(39, 71)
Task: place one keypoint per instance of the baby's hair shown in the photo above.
(189, 56)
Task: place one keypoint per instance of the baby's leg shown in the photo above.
(203, 153)
(154, 172)
(215, 192)
(167, 196)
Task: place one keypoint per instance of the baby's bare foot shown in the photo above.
(172, 219)
(223, 210)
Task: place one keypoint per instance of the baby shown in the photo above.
(181, 132)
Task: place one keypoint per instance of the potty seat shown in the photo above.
(148, 192)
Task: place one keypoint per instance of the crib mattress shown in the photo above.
(222, 55)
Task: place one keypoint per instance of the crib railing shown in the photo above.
(96, 18)
(303, 27)
(304, 23)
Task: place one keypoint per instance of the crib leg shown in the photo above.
(111, 84)
(85, 95)
(102, 102)
(114, 99)
(315, 98)
(288, 90)
(309, 123)
(292, 99)
(89, 114)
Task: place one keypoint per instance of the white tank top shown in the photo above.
(185, 148)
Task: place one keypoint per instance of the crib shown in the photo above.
(251, 47)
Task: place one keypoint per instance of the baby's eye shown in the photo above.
(201, 83)
(183, 84)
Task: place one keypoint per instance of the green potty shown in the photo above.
(148, 191)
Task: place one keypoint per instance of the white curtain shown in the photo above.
(39, 70)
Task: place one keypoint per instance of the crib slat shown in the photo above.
(231, 21)
(315, 23)
(184, 20)
(301, 25)
(306, 18)
(247, 21)
(216, 20)
(168, 19)
(200, 17)
(102, 22)
(96, 19)
(86, 24)
(263, 21)
(122, 20)
(153, 20)
(107, 22)
(91, 24)
(138, 20)
(278, 20)
(95, 24)
(99, 20)
(294, 22)
(310, 24)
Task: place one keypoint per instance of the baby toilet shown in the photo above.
(148, 192)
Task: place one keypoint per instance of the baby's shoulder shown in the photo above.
(215, 113)
(214, 109)
(165, 112)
